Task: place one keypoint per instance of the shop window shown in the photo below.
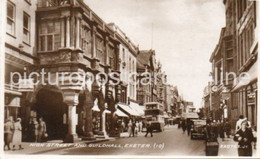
(10, 27)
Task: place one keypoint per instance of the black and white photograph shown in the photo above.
(129, 78)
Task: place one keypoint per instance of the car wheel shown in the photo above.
(191, 137)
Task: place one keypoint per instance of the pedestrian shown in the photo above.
(31, 130)
(133, 128)
(215, 128)
(41, 130)
(130, 128)
(228, 128)
(210, 132)
(255, 135)
(188, 127)
(123, 126)
(137, 127)
(221, 130)
(183, 126)
(238, 124)
(141, 126)
(35, 125)
(245, 137)
(149, 129)
(8, 132)
(17, 137)
(179, 124)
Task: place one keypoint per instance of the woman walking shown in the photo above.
(245, 137)
(8, 133)
(129, 129)
(17, 137)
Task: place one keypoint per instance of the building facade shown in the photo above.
(19, 51)
(146, 64)
(127, 53)
(246, 20)
(235, 55)
(65, 39)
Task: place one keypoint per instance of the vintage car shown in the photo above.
(198, 128)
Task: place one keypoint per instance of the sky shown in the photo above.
(183, 34)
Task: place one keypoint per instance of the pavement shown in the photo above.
(228, 148)
(171, 142)
(53, 145)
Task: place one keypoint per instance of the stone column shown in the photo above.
(88, 104)
(104, 123)
(68, 32)
(94, 52)
(71, 99)
(106, 53)
(62, 32)
(117, 58)
(72, 119)
(77, 32)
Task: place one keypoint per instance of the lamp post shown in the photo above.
(210, 92)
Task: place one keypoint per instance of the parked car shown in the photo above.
(176, 120)
(198, 128)
(158, 126)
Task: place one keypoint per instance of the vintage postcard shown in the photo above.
(129, 78)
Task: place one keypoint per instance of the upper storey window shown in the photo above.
(49, 36)
(10, 27)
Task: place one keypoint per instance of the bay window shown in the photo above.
(49, 36)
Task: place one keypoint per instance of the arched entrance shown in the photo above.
(49, 105)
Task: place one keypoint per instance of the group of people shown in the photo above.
(217, 129)
(221, 129)
(245, 134)
(13, 132)
(37, 130)
(134, 127)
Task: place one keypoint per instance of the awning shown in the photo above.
(253, 77)
(127, 110)
(137, 108)
(120, 113)
(190, 115)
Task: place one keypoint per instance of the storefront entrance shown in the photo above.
(49, 105)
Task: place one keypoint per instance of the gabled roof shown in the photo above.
(144, 58)
(140, 65)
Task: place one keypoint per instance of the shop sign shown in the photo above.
(251, 98)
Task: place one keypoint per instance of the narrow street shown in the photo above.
(174, 141)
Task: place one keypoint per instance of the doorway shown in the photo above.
(50, 106)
